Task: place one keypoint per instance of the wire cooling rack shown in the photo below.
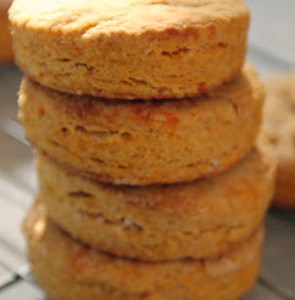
(18, 187)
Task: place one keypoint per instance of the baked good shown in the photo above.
(279, 127)
(145, 142)
(200, 219)
(68, 270)
(6, 54)
(130, 49)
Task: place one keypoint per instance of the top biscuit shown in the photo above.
(130, 49)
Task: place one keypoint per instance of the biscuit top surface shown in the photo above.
(280, 114)
(91, 17)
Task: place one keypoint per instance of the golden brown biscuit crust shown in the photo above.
(145, 142)
(131, 49)
(6, 53)
(279, 127)
(201, 219)
(68, 270)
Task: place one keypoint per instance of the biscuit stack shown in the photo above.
(144, 122)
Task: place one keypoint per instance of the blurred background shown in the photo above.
(271, 49)
(272, 35)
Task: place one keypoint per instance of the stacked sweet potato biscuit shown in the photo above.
(144, 119)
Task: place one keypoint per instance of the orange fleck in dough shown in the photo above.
(103, 276)
(146, 142)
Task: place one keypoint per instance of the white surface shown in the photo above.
(22, 290)
(273, 27)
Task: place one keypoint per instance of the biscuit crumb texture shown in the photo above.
(145, 142)
(201, 219)
(130, 49)
(69, 270)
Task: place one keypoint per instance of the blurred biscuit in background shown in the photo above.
(279, 126)
(6, 54)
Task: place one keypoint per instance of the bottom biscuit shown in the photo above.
(69, 270)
